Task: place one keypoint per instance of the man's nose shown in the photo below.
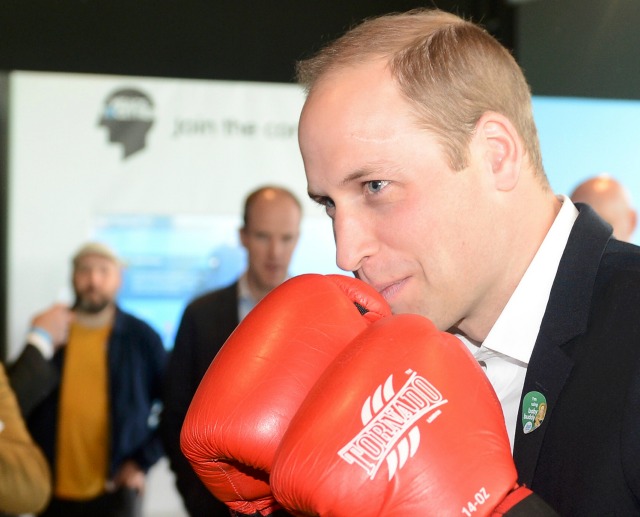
(275, 247)
(95, 277)
(355, 240)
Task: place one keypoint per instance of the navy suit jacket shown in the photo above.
(206, 324)
(585, 457)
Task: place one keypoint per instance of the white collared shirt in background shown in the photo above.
(246, 302)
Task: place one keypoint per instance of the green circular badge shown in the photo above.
(534, 409)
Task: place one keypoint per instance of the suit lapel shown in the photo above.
(566, 317)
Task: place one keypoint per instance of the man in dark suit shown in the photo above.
(270, 233)
(418, 138)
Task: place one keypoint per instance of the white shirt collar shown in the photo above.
(246, 301)
(243, 287)
(514, 333)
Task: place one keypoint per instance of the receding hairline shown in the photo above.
(451, 70)
(261, 192)
(333, 57)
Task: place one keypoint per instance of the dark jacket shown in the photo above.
(33, 378)
(136, 364)
(585, 457)
(206, 324)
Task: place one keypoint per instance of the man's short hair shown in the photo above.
(95, 248)
(451, 71)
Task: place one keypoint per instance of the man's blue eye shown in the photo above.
(326, 202)
(376, 185)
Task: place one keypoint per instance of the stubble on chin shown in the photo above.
(86, 306)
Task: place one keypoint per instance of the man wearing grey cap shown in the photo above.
(100, 372)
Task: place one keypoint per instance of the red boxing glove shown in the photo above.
(404, 422)
(260, 377)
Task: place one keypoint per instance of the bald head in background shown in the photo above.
(611, 201)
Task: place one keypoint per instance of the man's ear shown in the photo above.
(503, 149)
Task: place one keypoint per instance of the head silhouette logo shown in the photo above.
(128, 115)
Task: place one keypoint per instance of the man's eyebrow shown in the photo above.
(356, 175)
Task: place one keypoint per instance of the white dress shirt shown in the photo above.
(505, 353)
